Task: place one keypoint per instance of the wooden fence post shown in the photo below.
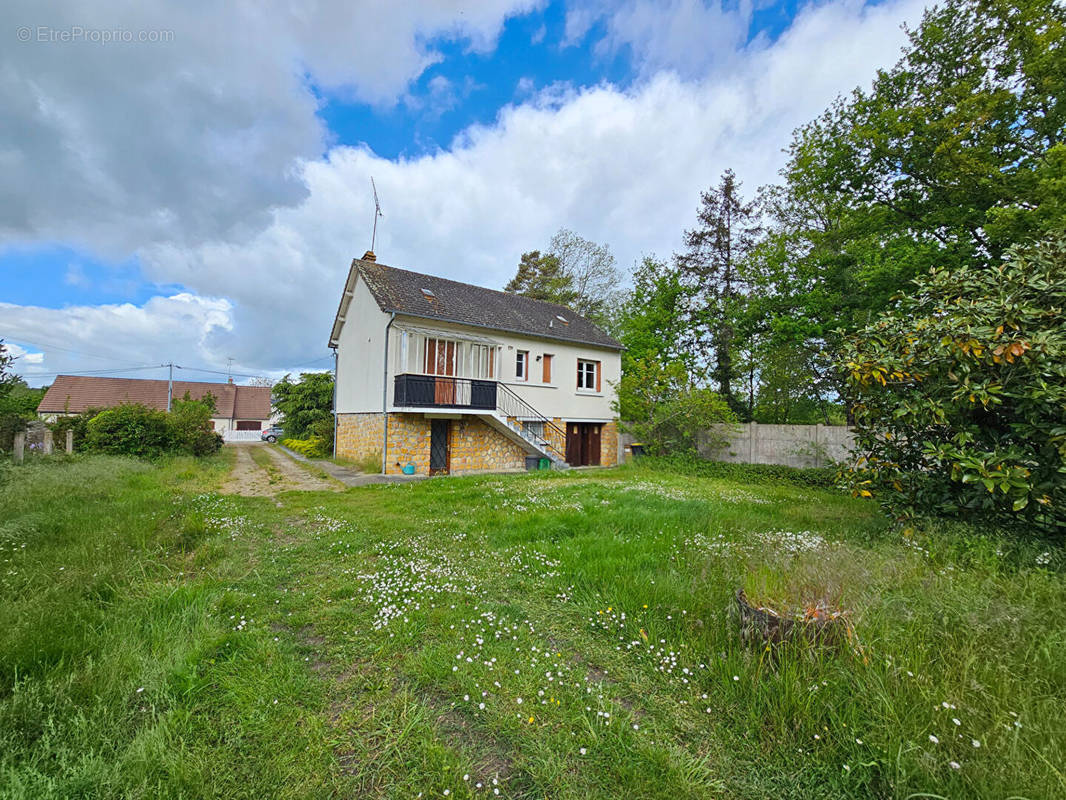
(20, 446)
(48, 443)
(70, 441)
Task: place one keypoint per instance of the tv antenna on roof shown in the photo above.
(377, 213)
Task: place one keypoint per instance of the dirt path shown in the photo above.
(277, 473)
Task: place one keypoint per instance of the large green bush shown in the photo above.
(664, 410)
(960, 393)
(130, 429)
(190, 427)
(136, 430)
(79, 424)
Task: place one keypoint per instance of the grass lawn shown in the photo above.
(562, 635)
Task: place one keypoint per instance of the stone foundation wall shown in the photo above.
(358, 435)
(609, 444)
(409, 436)
(476, 447)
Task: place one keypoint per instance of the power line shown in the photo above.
(92, 372)
(217, 372)
(45, 346)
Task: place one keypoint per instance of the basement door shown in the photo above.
(583, 444)
(439, 452)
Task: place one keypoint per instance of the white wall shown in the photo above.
(360, 354)
(559, 398)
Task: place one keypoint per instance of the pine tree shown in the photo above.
(712, 268)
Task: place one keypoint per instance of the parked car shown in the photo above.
(271, 434)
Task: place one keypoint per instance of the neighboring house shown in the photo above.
(450, 377)
(237, 408)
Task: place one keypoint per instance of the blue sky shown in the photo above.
(202, 196)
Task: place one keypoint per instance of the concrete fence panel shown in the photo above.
(788, 445)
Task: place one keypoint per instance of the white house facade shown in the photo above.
(444, 377)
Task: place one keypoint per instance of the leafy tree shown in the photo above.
(306, 405)
(575, 272)
(651, 320)
(540, 276)
(18, 402)
(959, 392)
(712, 267)
(591, 270)
(6, 376)
(662, 407)
(951, 156)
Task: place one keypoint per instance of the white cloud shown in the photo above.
(686, 36)
(623, 167)
(22, 356)
(181, 328)
(111, 145)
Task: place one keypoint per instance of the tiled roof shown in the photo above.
(76, 393)
(401, 290)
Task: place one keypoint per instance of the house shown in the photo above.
(450, 377)
(237, 408)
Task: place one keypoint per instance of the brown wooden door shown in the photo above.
(573, 444)
(592, 447)
(583, 444)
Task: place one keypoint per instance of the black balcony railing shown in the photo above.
(437, 391)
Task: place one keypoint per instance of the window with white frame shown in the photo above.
(586, 375)
(418, 353)
(521, 365)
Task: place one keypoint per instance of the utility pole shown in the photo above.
(170, 387)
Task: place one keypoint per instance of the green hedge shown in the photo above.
(819, 477)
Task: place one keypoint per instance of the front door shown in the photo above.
(439, 455)
(583, 444)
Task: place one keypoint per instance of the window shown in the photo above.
(482, 361)
(546, 366)
(441, 355)
(588, 374)
(521, 365)
(536, 428)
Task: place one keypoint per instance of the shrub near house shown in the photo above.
(960, 393)
(137, 430)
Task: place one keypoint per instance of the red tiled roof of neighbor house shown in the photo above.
(75, 393)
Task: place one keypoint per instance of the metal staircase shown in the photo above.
(512, 412)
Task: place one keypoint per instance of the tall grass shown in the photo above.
(397, 626)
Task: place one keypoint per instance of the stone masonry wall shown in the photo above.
(358, 435)
(476, 447)
(409, 436)
(609, 444)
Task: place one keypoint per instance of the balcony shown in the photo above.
(437, 391)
